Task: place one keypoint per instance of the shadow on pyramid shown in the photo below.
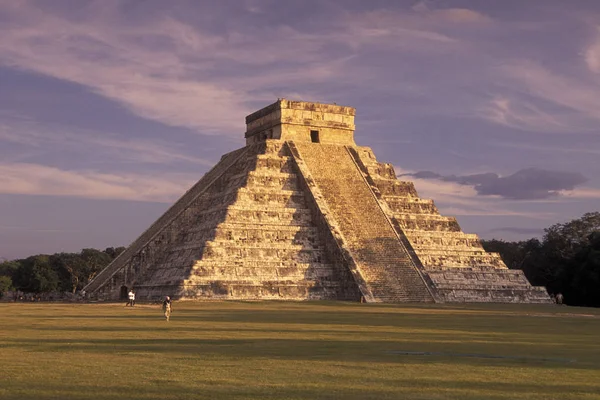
(303, 213)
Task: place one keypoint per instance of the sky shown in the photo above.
(110, 110)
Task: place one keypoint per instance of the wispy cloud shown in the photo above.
(428, 9)
(521, 114)
(522, 231)
(123, 62)
(165, 69)
(542, 100)
(584, 193)
(21, 178)
(33, 134)
(592, 53)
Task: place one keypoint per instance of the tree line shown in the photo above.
(566, 260)
(60, 272)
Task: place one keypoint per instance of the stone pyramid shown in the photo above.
(303, 213)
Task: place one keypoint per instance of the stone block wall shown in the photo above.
(294, 120)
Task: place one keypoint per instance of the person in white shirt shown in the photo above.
(131, 301)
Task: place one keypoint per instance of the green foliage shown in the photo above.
(8, 268)
(60, 271)
(36, 274)
(5, 284)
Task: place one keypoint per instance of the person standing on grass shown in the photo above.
(167, 307)
(131, 296)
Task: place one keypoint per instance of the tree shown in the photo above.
(36, 274)
(511, 252)
(561, 244)
(77, 269)
(69, 267)
(95, 261)
(583, 275)
(5, 285)
(8, 268)
(563, 241)
(114, 252)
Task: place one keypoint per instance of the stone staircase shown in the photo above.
(382, 260)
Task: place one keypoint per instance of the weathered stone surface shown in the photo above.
(303, 213)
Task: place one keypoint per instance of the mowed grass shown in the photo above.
(277, 350)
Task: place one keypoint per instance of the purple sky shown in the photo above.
(110, 110)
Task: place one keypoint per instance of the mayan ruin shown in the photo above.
(304, 213)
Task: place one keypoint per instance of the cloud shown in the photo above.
(455, 199)
(543, 100)
(47, 136)
(584, 193)
(455, 15)
(592, 54)
(525, 184)
(148, 66)
(521, 231)
(34, 179)
(163, 68)
(521, 114)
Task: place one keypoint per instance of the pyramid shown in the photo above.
(303, 213)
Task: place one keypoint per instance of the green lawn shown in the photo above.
(275, 350)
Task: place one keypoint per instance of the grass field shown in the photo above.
(274, 350)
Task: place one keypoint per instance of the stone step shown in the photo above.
(255, 243)
(485, 295)
(407, 205)
(266, 215)
(459, 251)
(273, 162)
(263, 290)
(263, 263)
(264, 173)
(262, 244)
(381, 170)
(394, 187)
(448, 224)
(417, 234)
(272, 198)
(250, 230)
(229, 272)
(458, 245)
(267, 252)
(251, 213)
(453, 261)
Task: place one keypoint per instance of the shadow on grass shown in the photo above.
(380, 351)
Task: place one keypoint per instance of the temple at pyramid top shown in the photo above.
(302, 121)
(303, 213)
